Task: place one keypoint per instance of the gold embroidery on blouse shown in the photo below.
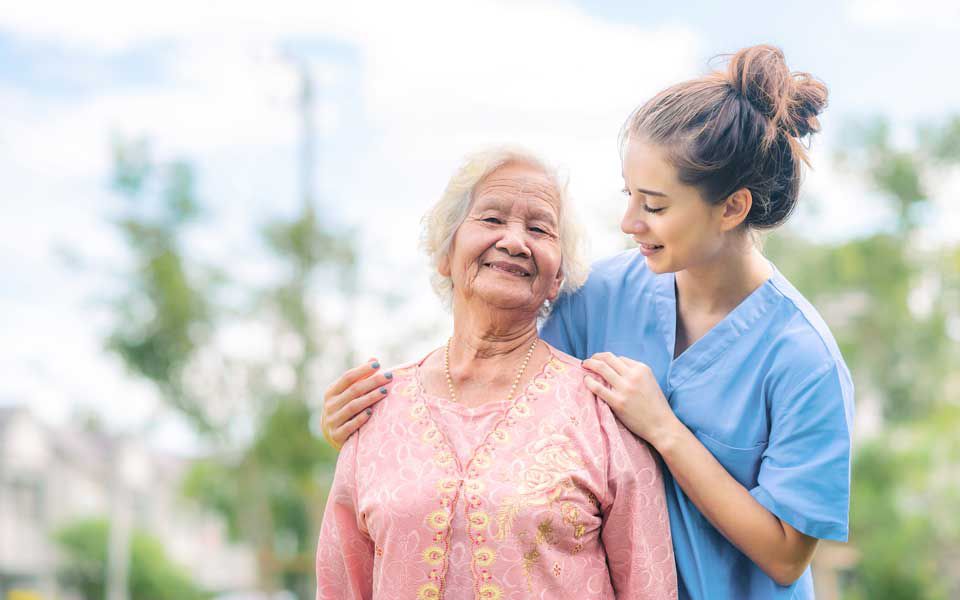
(478, 520)
(545, 533)
(500, 435)
(541, 484)
(490, 592)
(443, 458)
(520, 409)
(530, 559)
(447, 485)
(571, 516)
(438, 520)
(506, 515)
(428, 591)
(541, 386)
(482, 459)
(484, 557)
(430, 434)
(433, 555)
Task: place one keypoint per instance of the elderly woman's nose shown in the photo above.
(513, 242)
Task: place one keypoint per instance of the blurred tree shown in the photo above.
(164, 314)
(268, 472)
(887, 295)
(890, 298)
(152, 575)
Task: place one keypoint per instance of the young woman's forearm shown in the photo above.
(778, 549)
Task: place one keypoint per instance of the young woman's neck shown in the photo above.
(719, 285)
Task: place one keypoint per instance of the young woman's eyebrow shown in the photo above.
(651, 192)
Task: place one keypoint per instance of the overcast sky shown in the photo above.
(405, 89)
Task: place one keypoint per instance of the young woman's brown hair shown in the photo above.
(738, 129)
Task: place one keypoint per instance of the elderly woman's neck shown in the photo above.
(472, 345)
(491, 335)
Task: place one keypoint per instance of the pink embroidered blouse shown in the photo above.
(546, 496)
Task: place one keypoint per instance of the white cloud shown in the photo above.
(941, 15)
(506, 70)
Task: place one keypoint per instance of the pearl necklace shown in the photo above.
(516, 381)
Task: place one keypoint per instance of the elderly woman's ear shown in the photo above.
(443, 265)
(556, 287)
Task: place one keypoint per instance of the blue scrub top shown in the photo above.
(766, 391)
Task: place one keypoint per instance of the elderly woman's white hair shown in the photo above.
(441, 223)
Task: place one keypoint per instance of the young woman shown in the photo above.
(700, 346)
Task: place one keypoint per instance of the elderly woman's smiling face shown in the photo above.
(507, 251)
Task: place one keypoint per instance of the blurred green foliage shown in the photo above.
(152, 575)
(267, 472)
(889, 298)
(164, 314)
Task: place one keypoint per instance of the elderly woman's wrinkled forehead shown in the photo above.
(515, 180)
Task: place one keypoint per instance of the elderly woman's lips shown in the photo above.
(509, 268)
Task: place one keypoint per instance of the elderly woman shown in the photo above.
(490, 471)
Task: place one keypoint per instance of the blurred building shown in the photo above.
(52, 477)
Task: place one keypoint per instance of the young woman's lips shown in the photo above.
(508, 267)
(649, 249)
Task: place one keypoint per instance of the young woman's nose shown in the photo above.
(633, 223)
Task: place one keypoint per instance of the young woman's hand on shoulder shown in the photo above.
(632, 392)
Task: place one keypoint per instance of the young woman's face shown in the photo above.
(674, 227)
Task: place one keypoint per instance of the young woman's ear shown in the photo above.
(735, 209)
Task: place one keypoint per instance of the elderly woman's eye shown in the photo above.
(538, 229)
(492, 220)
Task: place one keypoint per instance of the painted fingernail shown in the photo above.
(369, 411)
(388, 376)
(375, 365)
(383, 390)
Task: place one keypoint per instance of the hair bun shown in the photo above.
(791, 101)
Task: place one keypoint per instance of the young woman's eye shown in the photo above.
(654, 210)
(625, 192)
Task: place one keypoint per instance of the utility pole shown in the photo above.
(120, 523)
(307, 136)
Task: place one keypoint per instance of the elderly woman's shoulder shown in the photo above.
(575, 373)
(595, 415)
(403, 384)
(406, 369)
(560, 358)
